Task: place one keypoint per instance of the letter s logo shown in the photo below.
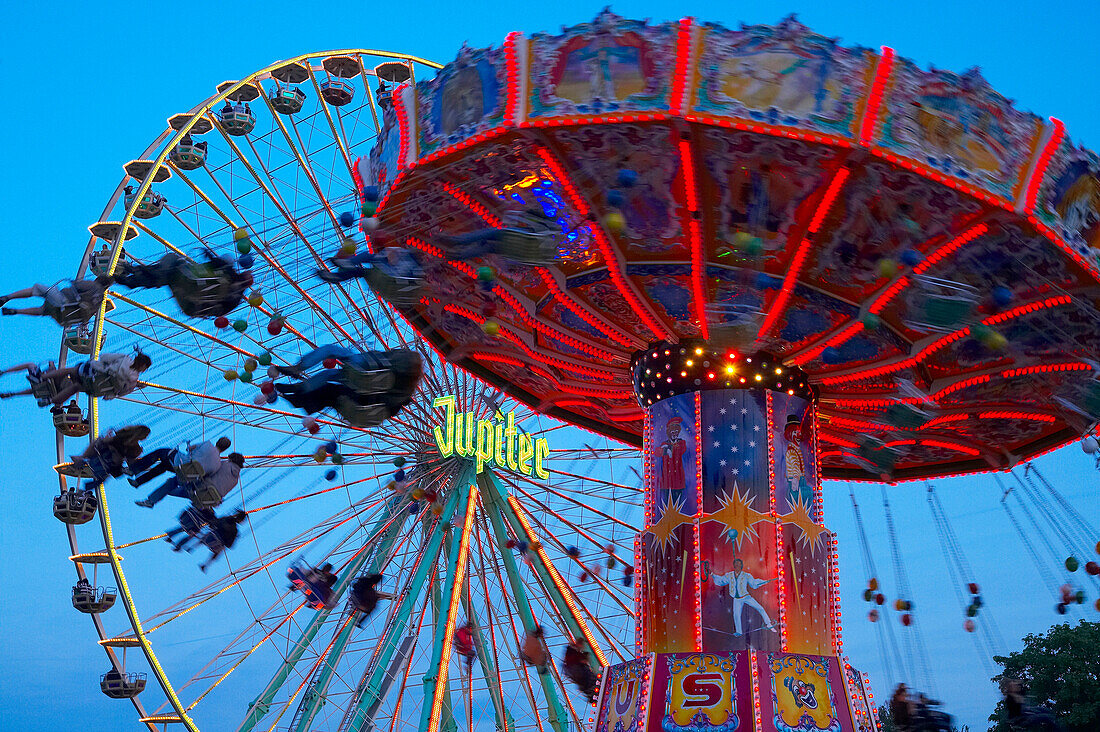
(700, 690)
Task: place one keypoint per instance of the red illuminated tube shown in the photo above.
(794, 270)
(601, 241)
(874, 100)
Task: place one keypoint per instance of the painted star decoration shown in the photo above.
(736, 515)
(800, 517)
(672, 518)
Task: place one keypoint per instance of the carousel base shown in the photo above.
(730, 691)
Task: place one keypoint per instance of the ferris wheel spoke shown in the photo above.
(308, 170)
(257, 565)
(581, 504)
(492, 676)
(525, 622)
(328, 116)
(334, 328)
(319, 686)
(244, 657)
(158, 238)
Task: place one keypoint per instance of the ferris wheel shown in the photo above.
(263, 173)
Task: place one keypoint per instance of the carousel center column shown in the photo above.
(733, 555)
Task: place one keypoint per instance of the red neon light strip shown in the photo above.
(580, 312)
(512, 302)
(1031, 307)
(754, 673)
(452, 610)
(951, 446)
(778, 305)
(695, 233)
(874, 99)
(984, 378)
(951, 247)
(696, 529)
(563, 589)
(833, 578)
(1008, 414)
(601, 241)
(466, 200)
(879, 303)
(1041, 167)
(836, 440)
(539, 325)
(402, 126)
(482, 356)
(679, 75)
(513, 86)
(548, 360)
(780, 555)
(791, 133)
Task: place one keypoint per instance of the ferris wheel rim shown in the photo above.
(165, 140)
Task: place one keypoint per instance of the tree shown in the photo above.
(1060, 671)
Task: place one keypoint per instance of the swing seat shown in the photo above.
(102, 385)
(733, 325)
(203, 495)
(43, 390)
(946, 312)
(70, 470)
(374, 377)
(190, 471)
(905, 416)
(93, 600)
(361, 415)
(124, 686)
(75, 508)
(940, 305)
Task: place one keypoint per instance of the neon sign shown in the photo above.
(489, 441)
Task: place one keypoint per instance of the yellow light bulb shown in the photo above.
(759, 377)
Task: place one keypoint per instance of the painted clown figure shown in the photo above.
(795, 464)
(671, 481)
(737, 584)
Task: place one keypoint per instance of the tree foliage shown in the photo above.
(1060, 671)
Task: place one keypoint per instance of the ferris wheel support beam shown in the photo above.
(493, 503)
(259, 707)
(556, 589)
(313, 701)
(505, 722)
(446, 715)
(443, 634)
(370, 692)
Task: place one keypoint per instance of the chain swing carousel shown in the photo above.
(761, 257)
(779, 260)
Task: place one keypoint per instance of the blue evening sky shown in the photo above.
(90, 84)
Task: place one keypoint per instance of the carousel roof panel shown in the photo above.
(908, 237)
